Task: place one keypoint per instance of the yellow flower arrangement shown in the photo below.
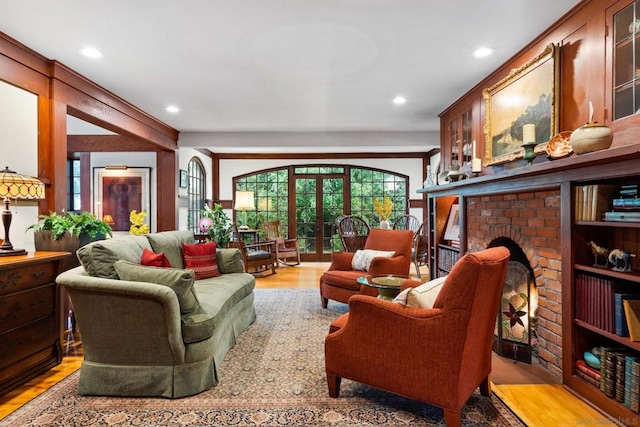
(384, 207)
(138, 226)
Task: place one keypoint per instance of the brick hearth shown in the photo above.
(532, 220)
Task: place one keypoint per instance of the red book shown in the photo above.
(582, 366)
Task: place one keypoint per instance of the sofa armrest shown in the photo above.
(229, 260)
(125, 322)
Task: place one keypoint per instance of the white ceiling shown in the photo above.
(249, 67)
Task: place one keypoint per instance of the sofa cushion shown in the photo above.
(363, 257)
(201, 258)
(197, 325)
(229, 260)
(152, 259)
(342, 279)
(170, 243)
(218, 295)
(181, 281)
(98, 258)
(423, 296)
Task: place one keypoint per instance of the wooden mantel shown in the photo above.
(600, 164)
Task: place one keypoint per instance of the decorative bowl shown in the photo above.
(559, 146)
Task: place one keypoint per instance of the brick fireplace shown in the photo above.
(532, 221)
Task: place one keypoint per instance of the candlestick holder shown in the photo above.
(529, 152)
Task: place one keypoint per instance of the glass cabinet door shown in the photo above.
(626, 61)
(466, 138)
(454, 142)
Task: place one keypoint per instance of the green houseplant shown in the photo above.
(221, 226)
(67, 232)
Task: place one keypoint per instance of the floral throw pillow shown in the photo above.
(362, 258)
(201, 258)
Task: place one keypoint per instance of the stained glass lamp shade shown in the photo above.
(18, 187)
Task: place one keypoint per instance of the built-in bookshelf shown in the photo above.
(605, 243)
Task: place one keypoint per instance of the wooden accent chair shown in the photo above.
(261, 256)
(406, 222)
(285, 248)
(438, 356)
(339, 282)
(353, 231)
(421, 247)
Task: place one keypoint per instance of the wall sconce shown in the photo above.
(19, 187)
(244, 201)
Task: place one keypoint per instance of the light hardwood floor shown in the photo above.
(536, 404)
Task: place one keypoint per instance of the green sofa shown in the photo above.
(136, 337)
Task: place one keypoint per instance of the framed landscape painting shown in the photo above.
(529, 94)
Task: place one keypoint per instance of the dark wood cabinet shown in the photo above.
(30, 317)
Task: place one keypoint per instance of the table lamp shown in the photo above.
(244, 201)
(19, 187)
(108, 219)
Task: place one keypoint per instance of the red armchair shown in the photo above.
(438, 356)
(339, 282)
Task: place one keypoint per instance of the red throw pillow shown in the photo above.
(152, 259)
(201, 258)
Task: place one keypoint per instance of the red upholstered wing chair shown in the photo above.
(438, 356)
(339, 282)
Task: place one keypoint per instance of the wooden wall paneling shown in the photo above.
(107, 143)
(166, 190)
(52, 158)
(85, 179)
(574, 73)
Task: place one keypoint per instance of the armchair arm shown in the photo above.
(264, 245)
(341, 261)
(398, 265)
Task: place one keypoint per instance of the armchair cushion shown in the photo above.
(423, 296)
(363, 257)
(181, 281)
(201, 258)
(152, 259)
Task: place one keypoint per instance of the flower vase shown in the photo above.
(384, 224)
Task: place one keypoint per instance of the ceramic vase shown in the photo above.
(591, 137)
(384, 224)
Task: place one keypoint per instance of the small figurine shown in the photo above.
(598, 251)
(429, 181)
(621, 260)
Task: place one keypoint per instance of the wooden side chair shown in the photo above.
(259, 256)
(421, 247)
(407, 222)
(285, 248)
(353, 232)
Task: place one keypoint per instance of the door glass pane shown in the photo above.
(306, 214)
(332, 206)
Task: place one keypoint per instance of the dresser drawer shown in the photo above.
(24, 307)
(20, 278)
(29, 339)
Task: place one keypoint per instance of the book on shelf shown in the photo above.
(587, 378)
(582, 366)
(628, 203)
(632, 312)
(624, 216)
(591, 201)
(622, 328)
(608, 369)
(594, 301)
(631, 382)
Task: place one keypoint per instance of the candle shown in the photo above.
(529, 133)
(590, 112)
(476, 165)
(474, 149)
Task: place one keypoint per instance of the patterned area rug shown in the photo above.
(274, 376)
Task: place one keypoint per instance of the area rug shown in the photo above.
(274, 376)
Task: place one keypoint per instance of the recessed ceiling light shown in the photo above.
(91, 52)
(172, 109)
(399, 100)
(482, 52)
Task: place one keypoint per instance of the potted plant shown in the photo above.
(68, 232)
(221, 226)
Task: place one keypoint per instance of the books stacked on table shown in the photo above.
(626, 207)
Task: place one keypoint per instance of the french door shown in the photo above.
(319, 200)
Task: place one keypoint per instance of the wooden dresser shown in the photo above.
(29, 317)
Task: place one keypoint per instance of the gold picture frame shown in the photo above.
(529, 94)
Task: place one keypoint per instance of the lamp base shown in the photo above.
(12, 252)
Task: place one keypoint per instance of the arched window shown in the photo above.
(196, 179)
(308, 198)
